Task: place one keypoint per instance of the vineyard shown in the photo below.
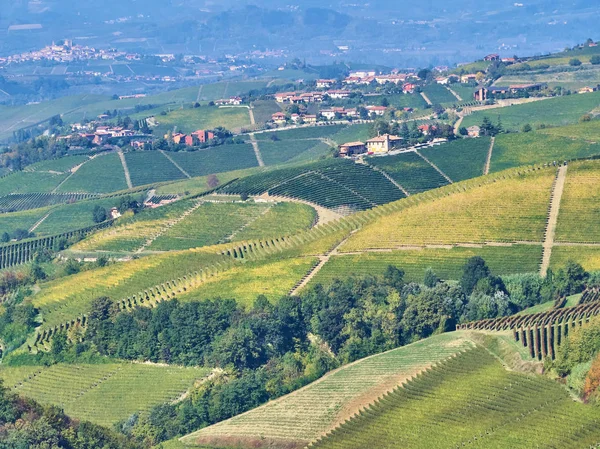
(25, 201)
(510, 210)
(300, 417)
(461, 159)
(471, 400)
(337, 184)
(149, 167)
(215, 160)
(438, 94)
(283, 151)
(446, 263)
(103, 174)
(30, 182)
(60, 165)
(102, 393)
(580, 204)
(513, 150)
(411, 171)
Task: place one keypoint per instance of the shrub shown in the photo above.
(575, 62)
(595, 60)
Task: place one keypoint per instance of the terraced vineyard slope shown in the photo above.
(300, 417)
(471, 400)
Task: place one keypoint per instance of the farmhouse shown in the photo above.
(350, 148)
(338, 94)
(409, 88)
(474, 131)
(588, 89)
(481, 94)
(278, 118)
(515, 88)
(492, 57)
(468, 78)
(232, 101)
(382, 144)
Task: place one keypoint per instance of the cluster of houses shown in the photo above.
(231, 101)
(310, 97)
(370, 76)
(281, 118)
(98, 135)
(483, 93)
(190, 140)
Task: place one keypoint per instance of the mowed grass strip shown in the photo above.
(580, 204)
(461, 159)
(515, 150)
(509, 210)
(104, 393)
(302, 416)
(446, 263)
(471, 400)
(103, 174)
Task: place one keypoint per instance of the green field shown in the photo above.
(147, 167)
(438, 94)
(264, 109)
(557, 111)
(354, 133)
(471, 400)
(103, 393)
(283, 151)
(281, 220)
(308, 132)
(188, 120)
(580, 204)
(219, 159)
(103, 174)
(21, 220)
(446, 263)
(589, 131)
(514, 150)
(461, 159)
(298, 418)
(587, 256)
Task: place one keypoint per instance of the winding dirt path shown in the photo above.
(254, 144)
(557, 192)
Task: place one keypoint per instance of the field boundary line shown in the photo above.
(390, 179)
(488, 161)
(125, 169)
(73, 170)
(435, 167)
(176, 164)
(555, 198)
(40, 221)
(457, 125)
(256, 149)
(199, 93)
(426, 98)
(458, 97)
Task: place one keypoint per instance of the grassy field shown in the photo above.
(309, 132)
(580, 204)
(280, 220)
(21, 220)
(557, 111)
(244, 283)
(300, 417)
(219, 159)
(509, 210)
(188, 120)
(104, 393)
(264, 109)
(514, 150)
(471, 400)
(464, 91)
(353, 133)
(565, 77)
(103, 174)
(200, 184)
(446, 263)
(461, 159)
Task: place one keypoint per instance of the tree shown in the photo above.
(99, 214)
(423, 73)
(430, 280)
(595, 60)
(526, 128)
(463, 131)
(585, 118)
(473, 271)
(394, 277)
(385, 102)
(5, 238)
(212, 181)
(575, 62)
